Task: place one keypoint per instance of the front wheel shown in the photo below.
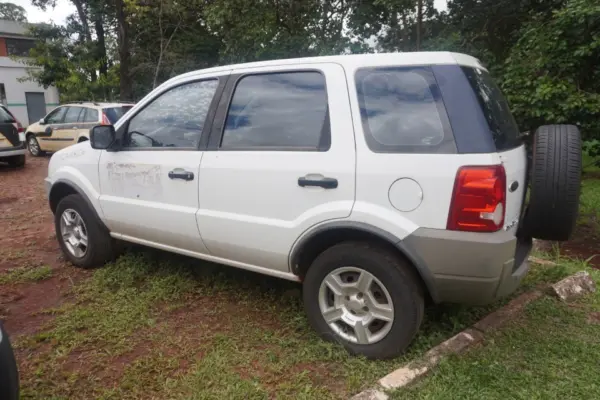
(364, 297)
(82, 238)
(33, 146)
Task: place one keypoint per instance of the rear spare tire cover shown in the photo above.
(555, 182)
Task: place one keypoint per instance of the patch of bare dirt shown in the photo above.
(584, 245)
(28, 239)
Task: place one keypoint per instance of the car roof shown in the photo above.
(352, 61)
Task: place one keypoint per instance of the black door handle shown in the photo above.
(179, 173)
(325, 183)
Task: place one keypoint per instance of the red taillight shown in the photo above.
(105, 120)
(479, 199)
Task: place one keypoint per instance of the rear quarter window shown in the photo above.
(402, 111)
(115, 113)
(495, 108)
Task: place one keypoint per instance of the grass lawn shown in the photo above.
(551, 352)
(156, 326)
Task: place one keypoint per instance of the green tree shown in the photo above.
(12, 12)
(552, 74)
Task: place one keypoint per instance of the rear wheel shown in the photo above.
(82, 238)
(16, 161)
(33, 146)
(555, 182)
(364, 297)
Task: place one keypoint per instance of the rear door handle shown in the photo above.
(180, 173)
(318, 180)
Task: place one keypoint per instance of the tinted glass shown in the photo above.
(56, 116)
(19, 47)
(91, 115)
(115, 113)
(5, 116)
(174, 119)
(402, 111)
(72, 115)
(287, 110)
(495, 108)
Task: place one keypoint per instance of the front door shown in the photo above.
(281, 159)
(36, 106)
(149, 188)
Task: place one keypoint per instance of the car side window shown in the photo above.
(174, 119)
(91, 115)
(56, 116)
(278, 111)
(72, 115)
(402, 111)
(5, 117)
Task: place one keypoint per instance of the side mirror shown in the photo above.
(42, 121)
(102, 136)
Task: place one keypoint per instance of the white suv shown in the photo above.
(378, 181)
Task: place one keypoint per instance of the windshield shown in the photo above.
(115, 113)
(495, 108)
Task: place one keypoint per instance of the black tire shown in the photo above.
(34, 146)
(555, 183)
(400, 281)
(9, 373)
(100, 247)
(16, 161)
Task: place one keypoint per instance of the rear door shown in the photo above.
(66, 134)
(281, 159)
(9, 134)
(505, 132)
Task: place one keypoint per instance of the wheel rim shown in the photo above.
(34, 147)
(356, 305)
(74, 233)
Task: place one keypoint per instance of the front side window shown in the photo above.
(174, 119)
(278, 111)
(402, 111)
(56, 116)
(72, 115)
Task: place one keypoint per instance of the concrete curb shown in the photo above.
(410, 372)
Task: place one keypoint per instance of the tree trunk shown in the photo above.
(99, 26)
(126, 87)
(83, 18)
(419, 23)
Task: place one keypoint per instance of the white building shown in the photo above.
(26, 100)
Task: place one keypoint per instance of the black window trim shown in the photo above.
(446, 146)
(218, 128)
(206, 129)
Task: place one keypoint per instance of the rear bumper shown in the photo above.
(471, 268)
(12, 151)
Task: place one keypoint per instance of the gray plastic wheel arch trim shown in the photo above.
(414, 258)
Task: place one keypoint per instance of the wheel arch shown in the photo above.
(323, 236)
(63, 188)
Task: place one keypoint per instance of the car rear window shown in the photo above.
(5, 116)
(115, 113)
(402, 111)
(495, 109)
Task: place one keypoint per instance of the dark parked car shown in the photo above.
(9, 374)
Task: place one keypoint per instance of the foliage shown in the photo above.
(552, 72)
(12, 12)
(543, 52)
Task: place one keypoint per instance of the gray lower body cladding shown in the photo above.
(470, 268)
